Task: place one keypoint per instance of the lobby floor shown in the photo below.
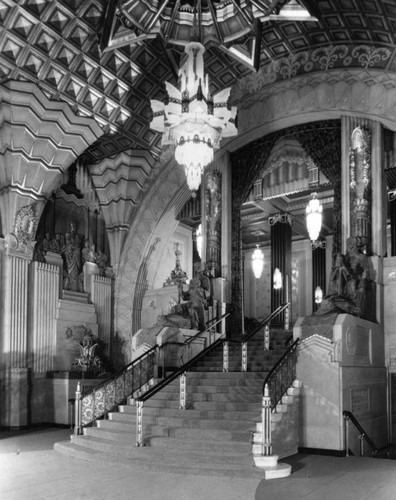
(31, 470)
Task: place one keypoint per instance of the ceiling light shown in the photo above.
(194, 121)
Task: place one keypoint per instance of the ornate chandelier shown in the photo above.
(194, 121)
(257, 262)
(314, 217)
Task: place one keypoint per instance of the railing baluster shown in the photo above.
(266, 446)
(266, 337)
(244, 356)
(225, 356)
(78, 410)
(183, 391)
(139, 423)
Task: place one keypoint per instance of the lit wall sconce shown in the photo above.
(277, 279)
(318, 295)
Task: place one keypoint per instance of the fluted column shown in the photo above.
(318, 269)
(14, 407)
(281, 259)
(44, 302)
(101, 298)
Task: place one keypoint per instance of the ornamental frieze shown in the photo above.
(320, 59)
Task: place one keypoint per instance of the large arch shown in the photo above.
(153, 225)
(313, 97)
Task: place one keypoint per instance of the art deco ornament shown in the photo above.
(313, 213)
(194, 121)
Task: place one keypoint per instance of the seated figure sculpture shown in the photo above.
(351, 289)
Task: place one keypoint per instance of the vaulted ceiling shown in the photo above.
(107, 59)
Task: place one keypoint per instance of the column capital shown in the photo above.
(282, 218)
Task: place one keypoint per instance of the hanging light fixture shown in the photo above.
(277, 279)
(257, 262)
(318, 295)
(314, 217)
(199, 240)
(194, 121)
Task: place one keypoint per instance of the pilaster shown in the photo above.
(102, 299)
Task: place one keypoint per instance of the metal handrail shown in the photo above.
(115, 390)
(177, 373)
(363, 435)
(106, 396)
(286, 361)
(265, 321)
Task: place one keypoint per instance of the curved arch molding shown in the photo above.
(153, 224)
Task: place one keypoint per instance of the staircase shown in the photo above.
(212, 436)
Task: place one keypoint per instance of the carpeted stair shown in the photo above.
(213, 435)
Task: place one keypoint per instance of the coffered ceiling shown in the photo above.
(107, 59)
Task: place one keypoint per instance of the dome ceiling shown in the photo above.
(108, 59)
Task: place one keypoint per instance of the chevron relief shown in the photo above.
(39, 140)
(119, 182)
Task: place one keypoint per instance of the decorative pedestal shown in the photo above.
(89, 269)
(18, 398)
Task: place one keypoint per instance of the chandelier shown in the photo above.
(314, 217)
(257, 262)
(194, 120)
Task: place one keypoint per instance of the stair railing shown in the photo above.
(350, 417)
(180, 372)
(275, 386)
(116, 389)
(265, 323)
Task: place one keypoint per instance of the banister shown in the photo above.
(363, 435)
(167, 380)
(212, 325)
(266, 320)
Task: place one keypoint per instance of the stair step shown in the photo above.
(149, 462)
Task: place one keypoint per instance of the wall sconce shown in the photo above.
(318, 295)
(277, 279)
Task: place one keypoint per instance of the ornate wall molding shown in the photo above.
(326, 95)
(340, 58)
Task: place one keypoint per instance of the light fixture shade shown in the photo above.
(257, 262)
(194, 120)
(313, 213)
(277, 279)
(318, 295)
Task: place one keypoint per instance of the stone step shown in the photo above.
(212, 414)
(220, 394)
(147, 461)
(168, 454)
